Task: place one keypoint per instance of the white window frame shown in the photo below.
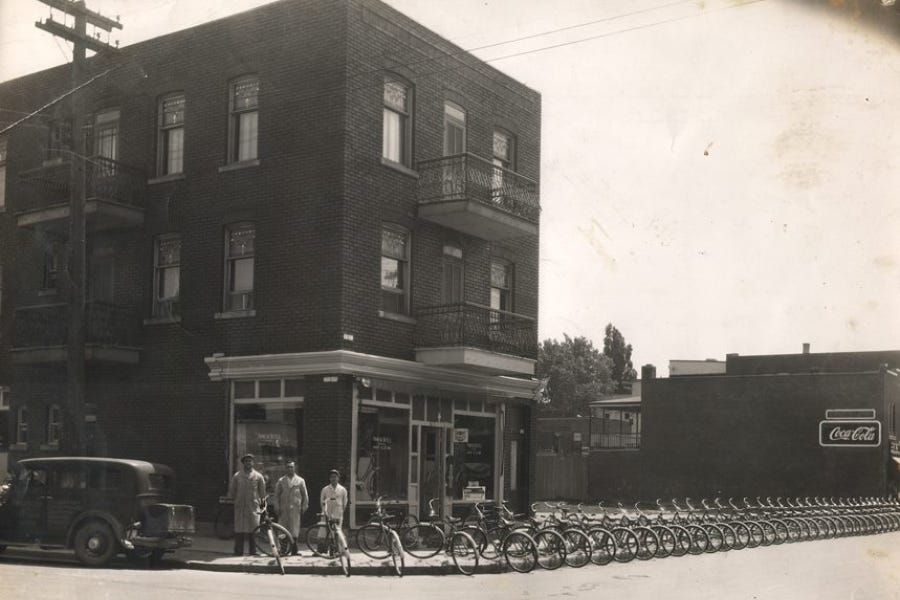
(4, 398)
(107, 122)
(166, 130)
(169, 306)
(236, 115)
(455, 116)
(404, 268)
(54, 425)
(247, 303)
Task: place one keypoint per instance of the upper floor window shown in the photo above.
(59, 140)
(504, 159)
(501, 285)
(452, 285)
(243, 124)
(54, 424)
(50, 276)
(239, 266)
(396, 143)
(22, 425)
(2, 173)
(394, 269)
(454, 129)
(4, 398)
(106, 134)
(166, 275)
(171, 134)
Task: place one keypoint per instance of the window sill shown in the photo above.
(398, 167)
(162, 320)
(165, 178)
(239, 165)
(235, 314)
(49, 447)
(390, 316)
(48, 292)
(18, 446)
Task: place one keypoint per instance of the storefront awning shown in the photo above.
(346, 362)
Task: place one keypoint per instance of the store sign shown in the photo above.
(381, 442)
(461, 435)
(851, 433)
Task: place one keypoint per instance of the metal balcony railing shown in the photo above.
(470, 177)
(105, 179)
(48, 325)
(615, 440)
(477, 326)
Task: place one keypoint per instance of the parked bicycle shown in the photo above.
(498, 537)
(327, 540)
(377, 540)
(271, 538)
(427, 539)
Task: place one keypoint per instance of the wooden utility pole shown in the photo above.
(77, 243)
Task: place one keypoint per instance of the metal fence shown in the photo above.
(469, 324)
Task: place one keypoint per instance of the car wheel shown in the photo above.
(95, 544)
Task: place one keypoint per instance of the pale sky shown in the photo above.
(717, 176)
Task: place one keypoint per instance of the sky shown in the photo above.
(716, 175)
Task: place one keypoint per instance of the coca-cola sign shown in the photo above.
(866, 434)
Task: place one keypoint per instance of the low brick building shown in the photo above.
(312, 233)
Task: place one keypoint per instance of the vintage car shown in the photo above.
(99, 507)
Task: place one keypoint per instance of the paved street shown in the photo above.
(864, 568)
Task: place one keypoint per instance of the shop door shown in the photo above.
(432, 470)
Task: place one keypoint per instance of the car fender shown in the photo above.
(100, 515)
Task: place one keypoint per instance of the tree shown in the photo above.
(577, 372)
(615, 348)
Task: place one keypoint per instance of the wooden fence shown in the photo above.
(562, 477)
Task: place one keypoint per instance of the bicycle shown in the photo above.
(271, 538)
(377, 540)
(327, 540)
(425, 540)
(502, 537)
(223, 524)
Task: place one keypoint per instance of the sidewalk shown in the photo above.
(209, 553)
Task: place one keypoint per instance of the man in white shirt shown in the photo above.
(334, 498)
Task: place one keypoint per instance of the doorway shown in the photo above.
(432, 469)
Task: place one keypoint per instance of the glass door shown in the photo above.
(432, 469)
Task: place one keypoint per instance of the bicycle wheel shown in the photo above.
(224, 523)
(423, 540)
(464, 552)
(682, 540)
(551, 549)
(699, 539)
(716, 537)
(317, 540)
(604, 546)
(782, 534)
(273, 545)
(648, 543)
(728, 536)
(757, 535)
(667, 541)
(520, 552)
(281, 540)
(343, 551)
(372, 541)
(397, 555)
(495, 537)
(479, 536)
(741, 535)
(578, 548)
(626, 544)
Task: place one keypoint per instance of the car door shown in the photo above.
(30, 496)
(66, 499)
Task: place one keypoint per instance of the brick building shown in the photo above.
(312, 233)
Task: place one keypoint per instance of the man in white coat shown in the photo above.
(291, 501)
(247, 489)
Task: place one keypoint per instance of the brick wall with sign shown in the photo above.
(757, 436)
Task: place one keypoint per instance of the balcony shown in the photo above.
(40, 333)
(476, 337)
(114, 196)
(472, 195)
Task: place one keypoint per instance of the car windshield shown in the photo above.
(160, 483)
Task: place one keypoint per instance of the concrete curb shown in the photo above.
(381, 570)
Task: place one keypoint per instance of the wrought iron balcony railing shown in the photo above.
(477, 326)
(48, 325)
(105, 179)
(470, 177)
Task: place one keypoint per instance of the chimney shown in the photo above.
(805, 347)
(648, 372)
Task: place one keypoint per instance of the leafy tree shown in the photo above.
(615, 348)
(577, 373)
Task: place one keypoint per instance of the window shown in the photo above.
(452, 285)
(4, 398)
(394, 269)
(171, 134)
(51, 269)
(454, 129)
(382, 461)
(166, 276)
(396, 140)
(22, 425)
(59, 140)
(472, 462)
(239, 260)
(54, 424)
(106, 134)
(2, 173)
(272, 432)
(243, 123)
(504, 153)
(501, 286)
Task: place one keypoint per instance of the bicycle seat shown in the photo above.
(454, 520)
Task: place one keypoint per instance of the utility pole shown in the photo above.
(77, 243)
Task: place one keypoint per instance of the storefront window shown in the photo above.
(383, 453)
(272, 432)
(472, 461)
